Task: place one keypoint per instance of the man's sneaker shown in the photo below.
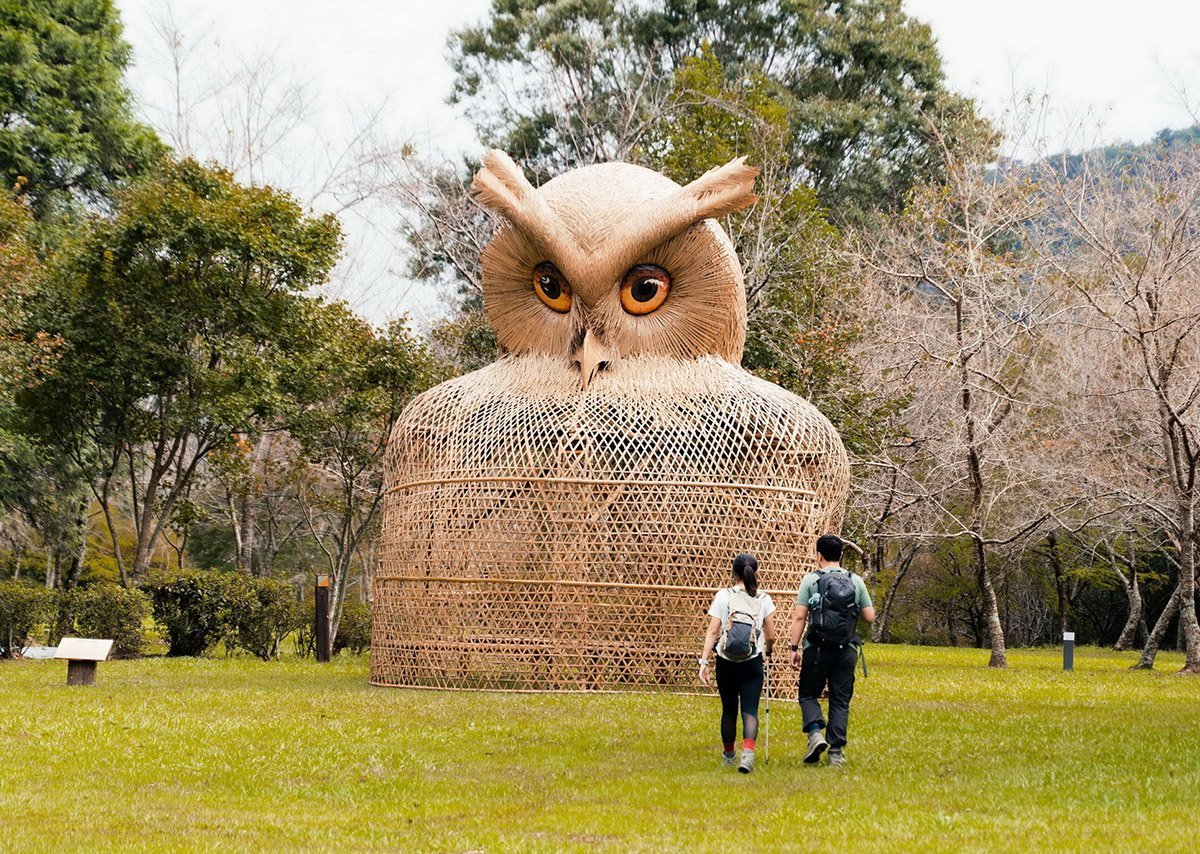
(727, 759)
(747, 763)
(816, 746)
(836, 757)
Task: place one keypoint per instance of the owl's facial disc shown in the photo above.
(619, 250)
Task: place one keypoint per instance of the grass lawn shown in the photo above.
(945, 755)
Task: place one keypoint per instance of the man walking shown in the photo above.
(829, 603)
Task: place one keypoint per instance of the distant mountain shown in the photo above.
(1119, 154)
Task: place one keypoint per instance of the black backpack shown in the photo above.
(833, 620)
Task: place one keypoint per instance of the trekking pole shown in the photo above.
(767, 718)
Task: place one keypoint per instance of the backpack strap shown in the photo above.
(820, 576)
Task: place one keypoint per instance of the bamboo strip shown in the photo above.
(591, 481)
(557, 582)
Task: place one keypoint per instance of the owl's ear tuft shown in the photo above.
(501, 185)
(724, 189)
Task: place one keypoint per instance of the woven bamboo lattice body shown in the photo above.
(537, 536)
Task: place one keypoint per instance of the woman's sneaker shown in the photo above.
(816, 746)
(747, 763)
(727, 759)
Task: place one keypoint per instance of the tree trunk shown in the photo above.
(975, 468)
(1060, 584)
(144, 554)
(114, 536)
(991, 614)
(245, 553)
(1188, 626)
(80, 551)
(1136, 618)
(1154, 639)
(367, 593)
(145, 527)
(879, 631)
(75, 568)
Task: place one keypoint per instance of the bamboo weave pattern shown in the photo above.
(540, 537)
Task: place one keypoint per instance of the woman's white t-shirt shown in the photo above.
(720, 610)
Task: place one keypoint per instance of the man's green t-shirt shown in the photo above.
(808, 591)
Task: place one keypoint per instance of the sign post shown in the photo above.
(81, 655)
(1068, 650)
(324, 651)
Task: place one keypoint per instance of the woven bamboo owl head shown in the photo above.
(614, 260)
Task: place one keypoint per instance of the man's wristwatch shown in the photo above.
(793, 647)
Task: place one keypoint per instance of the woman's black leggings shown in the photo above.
(739, 681)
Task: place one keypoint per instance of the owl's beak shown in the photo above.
(592, 357)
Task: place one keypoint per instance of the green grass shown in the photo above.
(945, 755)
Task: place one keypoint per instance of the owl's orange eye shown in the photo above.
(551, 287)
(645, 288)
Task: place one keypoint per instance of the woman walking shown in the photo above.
(741, 634)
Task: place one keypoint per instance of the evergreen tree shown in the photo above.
(67, 132)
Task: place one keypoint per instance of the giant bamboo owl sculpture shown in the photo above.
(559, 519)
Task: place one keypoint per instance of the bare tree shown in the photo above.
(963, 324)
(885, 516)
(1126, 237)
(1124, 563)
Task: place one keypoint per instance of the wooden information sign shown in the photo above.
(81, 655)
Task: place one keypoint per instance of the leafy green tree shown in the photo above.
(179, 318)
(193, 608)
(263, 612)
(20, 270)
(465, 340)
(800, 332)
(37, 483)
(562, 84)
(67, 131)
(357, 380)
(104, 611)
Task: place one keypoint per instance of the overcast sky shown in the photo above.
(1112, 71)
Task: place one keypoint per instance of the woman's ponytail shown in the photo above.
(745, 567)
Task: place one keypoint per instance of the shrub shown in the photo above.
(198, 609)
(105, 611)
(194, 609)
(23, 607)
(354, 630)
(306, 638)
(263, 612)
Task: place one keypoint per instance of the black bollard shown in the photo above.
(1068, 650)
(324, 651)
